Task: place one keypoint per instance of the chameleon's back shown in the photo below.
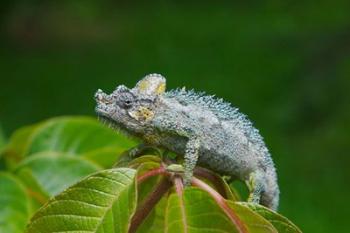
(223, 131)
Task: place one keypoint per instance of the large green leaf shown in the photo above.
(75, 135)
(196, 212)
(282, 224)
(14, 205)
(55, 171)
(83, 136)
(103, 202)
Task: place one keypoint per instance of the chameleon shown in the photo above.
(206, 130)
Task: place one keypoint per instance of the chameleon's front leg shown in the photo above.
(191, 158)
(192, 145)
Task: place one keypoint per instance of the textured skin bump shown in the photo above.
(205, 129)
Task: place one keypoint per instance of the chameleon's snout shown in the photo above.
(102, 97)
(103, 101)
(99, 95)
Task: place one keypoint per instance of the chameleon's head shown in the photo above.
(131, 109)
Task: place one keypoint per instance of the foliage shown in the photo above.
(60, 176)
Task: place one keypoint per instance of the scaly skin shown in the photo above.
(204, 129)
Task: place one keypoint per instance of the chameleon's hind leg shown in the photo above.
(256, 187)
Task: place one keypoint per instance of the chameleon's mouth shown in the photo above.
(101, 110)
(103, 102)
(107, 121)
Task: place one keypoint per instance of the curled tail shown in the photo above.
(270, 193)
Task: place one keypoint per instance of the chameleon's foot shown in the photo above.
(187, 182)
(179, 170)
(134, 152)
(255, 185)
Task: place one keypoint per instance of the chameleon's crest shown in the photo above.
(151, 85)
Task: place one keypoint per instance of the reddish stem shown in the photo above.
(214, 179)
(178, 185)
(150, 173)
(179, 190)
(222, 203)
(148, 204)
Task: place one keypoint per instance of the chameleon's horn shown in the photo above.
(152, 84)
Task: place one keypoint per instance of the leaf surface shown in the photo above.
(103, 202)
(196, 212)
(56, 171)
(13, 151)
(281, 223)
(75, 135)
(253, 221)
(15, 205)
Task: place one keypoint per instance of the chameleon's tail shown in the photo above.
(270, 193)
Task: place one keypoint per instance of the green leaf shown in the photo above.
(103, 202)
(37, 195)
(83, 136)
(75, 135)
(56, 171)
(281, 223)
(145, 159)
(196, 212)
(253, 221)
(14, 151)
(15, 205)
(106, 156)
(154, 222)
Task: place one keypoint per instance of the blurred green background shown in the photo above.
(283, 63)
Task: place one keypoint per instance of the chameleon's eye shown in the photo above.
(125, 100)
(127, 103)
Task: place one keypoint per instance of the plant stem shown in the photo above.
(222, 203)
(213, 178)
(179, 191)
(178, 185)
(154, 172)
(149, 203)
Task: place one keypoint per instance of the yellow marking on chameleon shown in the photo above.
(144, 84)
(142, 114)
(146, 113)
(161, 88)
